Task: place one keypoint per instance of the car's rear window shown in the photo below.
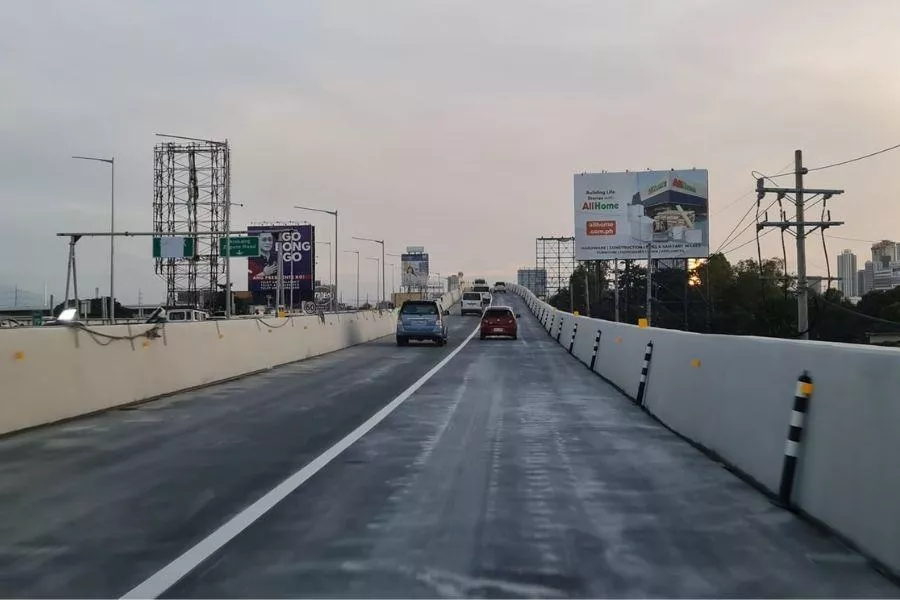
(497, 312)
(425, 308)
(471, 296)
(481, 288)
(499, 283)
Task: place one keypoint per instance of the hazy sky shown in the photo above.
(454, 125)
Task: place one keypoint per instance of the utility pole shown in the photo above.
(616, 286)
(649, 283)
(684, 303)
(803, 291)
(800, 225)
(587, 290)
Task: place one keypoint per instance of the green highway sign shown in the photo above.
(240, 246)
(173, 247)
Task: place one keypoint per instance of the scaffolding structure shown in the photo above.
(191, 198)
(555, 256)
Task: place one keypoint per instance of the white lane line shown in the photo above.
(172, 573)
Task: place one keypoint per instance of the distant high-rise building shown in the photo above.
(884, 253)
(846, 267)
(533, 279)
(883, 279)
(869, 279)
(861, 282)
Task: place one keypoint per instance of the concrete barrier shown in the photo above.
(52, 373)
(734, 396)
(450, 298)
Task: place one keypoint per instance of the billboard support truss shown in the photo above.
(556, 256)
(191, 182)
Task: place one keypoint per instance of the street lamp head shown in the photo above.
(321, 210)
(369, 240)
(98, 159)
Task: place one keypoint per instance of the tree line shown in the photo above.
(743, 298)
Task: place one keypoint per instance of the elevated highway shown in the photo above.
(483, 468)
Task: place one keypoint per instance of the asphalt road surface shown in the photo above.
(512, 471)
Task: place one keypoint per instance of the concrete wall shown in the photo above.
(53, 373)
(450, 298)
(734, 395)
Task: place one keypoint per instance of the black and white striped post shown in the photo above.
(559, 329)
(594, 351)
(549, 325)
(645, 369)
(572, 341)
(795, 434)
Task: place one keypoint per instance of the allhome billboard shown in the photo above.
(618, 215)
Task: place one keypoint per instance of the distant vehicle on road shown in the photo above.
(471, 303)
(499, 321)
(479, 282)
(184, 315)
(499, 286)
(485, 292)
(422, 320)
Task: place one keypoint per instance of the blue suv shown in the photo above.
(421, 320)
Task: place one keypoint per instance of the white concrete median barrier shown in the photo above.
(52, 373)
(734, 396)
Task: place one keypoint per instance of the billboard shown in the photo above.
(297, 246)
(415, 270)
(617, 215)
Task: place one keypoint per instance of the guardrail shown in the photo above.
(736, 398)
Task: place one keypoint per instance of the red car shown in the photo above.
(499, 321)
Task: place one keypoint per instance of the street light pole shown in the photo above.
(333, 213)
(112, 229)
(393, 289)
(356, 252)
(330, 280)
(400, 256)
(382, 260)
(377, 264)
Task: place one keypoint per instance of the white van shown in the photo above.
(183, 315)
(470, 303)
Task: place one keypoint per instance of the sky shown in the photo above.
(453, 125)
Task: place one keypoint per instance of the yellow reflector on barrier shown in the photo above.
(19, 356)
(807, 389)
(576, 313)
(642, 323)
(695, 363)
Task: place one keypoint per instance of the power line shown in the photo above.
(848, 161)
(728, 238)
(738, 199)
(749, 193)
(754, 174)
(850, 239)
(858, 313)
(741, 232)
(747, 243)
(858, 158)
